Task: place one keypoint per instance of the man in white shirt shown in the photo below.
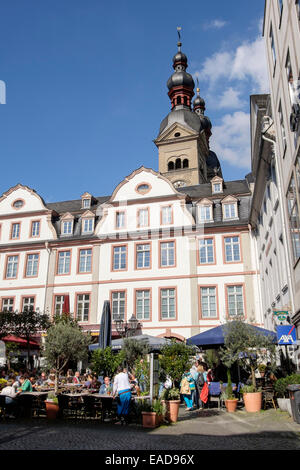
(10, 393)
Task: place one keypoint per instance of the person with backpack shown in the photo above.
(201, 380)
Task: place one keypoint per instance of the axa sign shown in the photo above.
(286, 334)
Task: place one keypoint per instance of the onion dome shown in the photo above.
(199, 103)
(181, 84)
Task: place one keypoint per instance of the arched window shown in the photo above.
(178, 99)
(185, 163)
(178, 163)
(185, 100)
(171, 166)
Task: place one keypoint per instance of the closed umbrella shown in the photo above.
(105, 326)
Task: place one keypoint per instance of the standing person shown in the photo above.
(185, 391)
(201, 380)
(122, 389)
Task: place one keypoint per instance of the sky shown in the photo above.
(85, 85)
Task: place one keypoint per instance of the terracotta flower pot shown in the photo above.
(172, 410)
(150, 419)
(51, 409)
(253, 401)
(231, 405)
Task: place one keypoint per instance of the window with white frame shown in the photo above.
(67, 227)
(63, 264)
(167, 254)
(217, 188)
(86, 203)
(15, 230)
(120, 220)
(118, 305)
(58, 304)
(166, 215)
(168, 303)
(35, 228)
(83, 307)
(8, 305)
(28, 304)
(232, 249)
(12, 267)
(87, 225)
(32, 265)
(85, 261)
(119, 258)
(142, 298)
(206, 251)
(208, 302)
(230, 210)
(143, 217)
(235, 300)
(143, 255)
(205, 213)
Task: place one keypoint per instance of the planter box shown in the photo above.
(172, 410)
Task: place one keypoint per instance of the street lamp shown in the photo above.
(129, 328)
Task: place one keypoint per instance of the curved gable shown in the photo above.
(31, 201)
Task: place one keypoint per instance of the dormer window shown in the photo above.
(86, 200)
(217, 185)
(230, 208)
(205, 211)
(67, 221)
(87, 222)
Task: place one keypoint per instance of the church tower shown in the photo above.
(183, 139)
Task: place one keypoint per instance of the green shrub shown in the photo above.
(280, 385)
(248, 389)
(170, 394)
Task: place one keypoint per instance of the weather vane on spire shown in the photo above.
(179, 37)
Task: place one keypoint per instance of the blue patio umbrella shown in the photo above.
(215, 336)
(105, 326)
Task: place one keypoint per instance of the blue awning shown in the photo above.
(215, 336)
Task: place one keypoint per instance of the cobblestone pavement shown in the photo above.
(207, 429)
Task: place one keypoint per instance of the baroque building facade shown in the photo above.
(173, 247)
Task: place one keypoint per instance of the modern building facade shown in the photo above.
(173, 247)
(281, 31)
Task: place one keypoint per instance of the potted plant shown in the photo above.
(171, 398)
(248, 346)
(52, 407)
(228, 397)
(281, 391)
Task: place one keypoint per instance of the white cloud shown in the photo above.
(231, 99)
(215, 24)
(247, 61)
(231, 139)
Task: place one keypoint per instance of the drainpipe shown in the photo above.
(47, 276)
(281, 199)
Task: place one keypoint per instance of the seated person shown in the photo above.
(10, 393)
(33, 383)
(76, 378)
(25, 385)
(42, 380)
(106, 387)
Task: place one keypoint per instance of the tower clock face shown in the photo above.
(179, 184)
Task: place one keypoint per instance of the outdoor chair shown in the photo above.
(66, 407)
(24, 405)
(38, 408)
(2, 407)
(215, 393)
(268, 396)
(91, 407)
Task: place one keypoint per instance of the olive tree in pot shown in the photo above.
(174, 360)
(248, 346)
(65, 341)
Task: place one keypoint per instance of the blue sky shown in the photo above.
(86, 86)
